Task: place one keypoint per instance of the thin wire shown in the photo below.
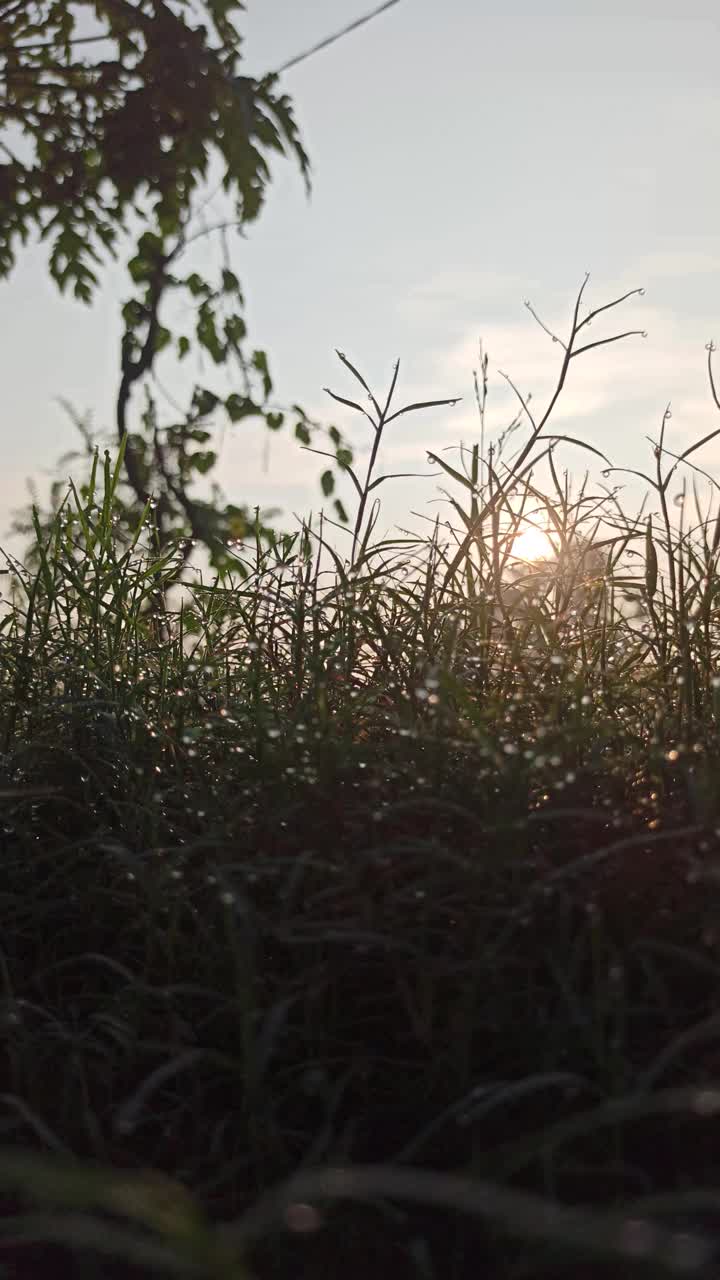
(359, 22)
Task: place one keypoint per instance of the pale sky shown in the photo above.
(466, 155)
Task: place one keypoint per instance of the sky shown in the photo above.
(467, 157)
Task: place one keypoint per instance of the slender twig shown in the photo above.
(543, 326)
(324, 44)
(609, 305)
(710, 348)
(34, 48)
(602, 342)
(523, 402)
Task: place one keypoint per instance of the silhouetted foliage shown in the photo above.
(110, 135)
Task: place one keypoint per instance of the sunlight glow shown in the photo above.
(532, 543)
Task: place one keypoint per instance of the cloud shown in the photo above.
(676, 264)
(458, 287)
(634, 374)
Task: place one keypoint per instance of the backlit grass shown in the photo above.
(403, 858)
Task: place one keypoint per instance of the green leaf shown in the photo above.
(341, 512)
(344, 458)
(203, 462)
(230, 282)
(197, 285)
(241, 407)
(327, 483)
(82, 291)
(274, 420)
(183, 347)
(235, 329)
(302, 433)
(260, 362)
(204, 401)
(139, 268)
(207, 334)
(132, 313)
(168, 220)
(150, 244)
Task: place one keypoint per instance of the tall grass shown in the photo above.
(405, 858)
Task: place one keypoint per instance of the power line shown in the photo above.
(359, 22)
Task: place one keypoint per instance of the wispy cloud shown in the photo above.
(675, 264)
(635, 374)
(457, 288)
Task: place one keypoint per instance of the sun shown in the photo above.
(531, 543)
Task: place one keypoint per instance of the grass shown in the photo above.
(361, 912)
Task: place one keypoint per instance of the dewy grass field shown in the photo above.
(360, 915)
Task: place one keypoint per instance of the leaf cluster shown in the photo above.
(142, 118)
